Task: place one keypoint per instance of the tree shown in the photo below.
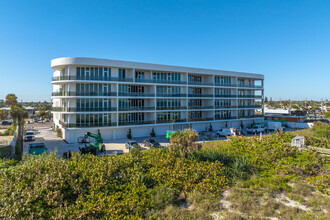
(3, 114)
(184, 141)
(18, 113)
(327, 115)
(42, 114)
(11, 100)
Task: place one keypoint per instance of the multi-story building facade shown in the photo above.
(112, 96)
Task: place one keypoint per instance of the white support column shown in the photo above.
(133, 73)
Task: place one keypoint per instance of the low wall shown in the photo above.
(299, 125)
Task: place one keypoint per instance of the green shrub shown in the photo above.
(163, 196)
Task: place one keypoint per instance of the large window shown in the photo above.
(93, 104)
(223, 80)
(93, 120)
(166, 103)
(222, 102)
(93, 89)
(93, 73)
(168, 90)
(168, 116)
(166, 76)
(223, 114)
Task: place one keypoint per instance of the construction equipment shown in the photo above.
(95, 148)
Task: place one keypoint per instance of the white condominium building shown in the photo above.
(113, 96)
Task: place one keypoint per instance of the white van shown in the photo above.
(274, 126)
(226, 132)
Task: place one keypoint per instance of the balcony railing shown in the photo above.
(200, 83)
(200, 95)
(250, 116)
(84, 94)
(171, 107)
(86, 125)
(249, 106)
(226, 106)
(136, 108)
(136, 94)
(161, 81)
(171, 95)
(224, 96)
(171, 121)
(249, 96)
(201, 119)
(224, 118)
(201, 107)
(123, 123)
(74, 109)
(225, 84)
(89, 78)
(249, 86)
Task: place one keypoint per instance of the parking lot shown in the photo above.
(45, 134)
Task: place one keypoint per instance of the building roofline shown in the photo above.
(58, 63)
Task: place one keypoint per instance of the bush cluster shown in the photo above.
(126, 186)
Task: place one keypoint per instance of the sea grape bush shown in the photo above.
(145, 184)
(116, 187)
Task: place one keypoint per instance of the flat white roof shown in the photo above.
(59, 63)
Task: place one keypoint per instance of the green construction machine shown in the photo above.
(96, 148)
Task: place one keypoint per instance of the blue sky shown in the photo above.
(287, 41)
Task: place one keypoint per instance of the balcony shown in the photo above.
(171, 107)
(249, 86)
(224, 96)
(226, 106)
(136, 108)
(200, 83)
(250, 106)
(84, 94)
(123, 123)
(250, 116)
(201, 119)
(171, 95)
(201, 107)
(171, 121)
(89, 78)
(160, 81)
(225, 85)
(87, 125)
(74, 109)
(199, 95)
(250, 96)
(136, 94)
(224, 118)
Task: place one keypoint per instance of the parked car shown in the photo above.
(6, 123)
(37, 148)
(35, 120)
(226, 132)
(29, 136)
(150, 143)
(256, 129)
(47, 120)
(132, 144)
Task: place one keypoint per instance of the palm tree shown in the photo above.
(184, 141)
(11, 100)
(18, 113)
(3, 114)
